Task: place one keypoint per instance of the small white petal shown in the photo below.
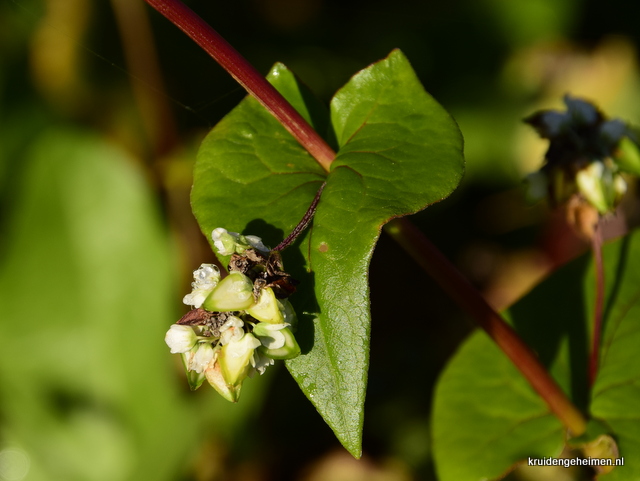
(260, 362)
(270, 335)
(231, 330)
(201, 358)
(240, 348)
(256, 242)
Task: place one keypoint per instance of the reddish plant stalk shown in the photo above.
(468, 298)
(405, 233)
(596, 247)
(247, 76)
(302, 225)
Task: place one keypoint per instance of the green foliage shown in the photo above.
(486, 417)
(86, 297)
(399, 151)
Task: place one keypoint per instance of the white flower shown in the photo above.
(231, 330)
(201, 357)
(270, 335)
(180, 338)
(205, 279)
(227, 243)
(260, 362)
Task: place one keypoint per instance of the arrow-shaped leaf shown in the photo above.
(399, 151)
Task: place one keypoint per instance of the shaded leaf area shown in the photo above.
(615, 398)
(487, 418)
(85, 276)
(398, 152)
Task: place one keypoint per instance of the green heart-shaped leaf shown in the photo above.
(487, 418)
(399, 151)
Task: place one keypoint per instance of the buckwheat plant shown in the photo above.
(239, 324)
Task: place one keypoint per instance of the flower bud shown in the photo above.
(267, 309)
(233, 293)
(289, 350)
(180, 338)
(235, 359)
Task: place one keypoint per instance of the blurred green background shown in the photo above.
(102, 106)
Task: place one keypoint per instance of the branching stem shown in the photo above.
(596, 247)
(405, 233)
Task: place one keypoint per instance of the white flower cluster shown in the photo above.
(239, 328)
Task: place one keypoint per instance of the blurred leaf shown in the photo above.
(486, 416)
(86, 298)
(399, 152)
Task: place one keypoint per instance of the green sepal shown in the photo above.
(290, 349)
(233, 293)
(627, 156)
(266, 309)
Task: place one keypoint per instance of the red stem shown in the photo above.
(405, 233)
(247, 76)
(458, 287)
(596, 247)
